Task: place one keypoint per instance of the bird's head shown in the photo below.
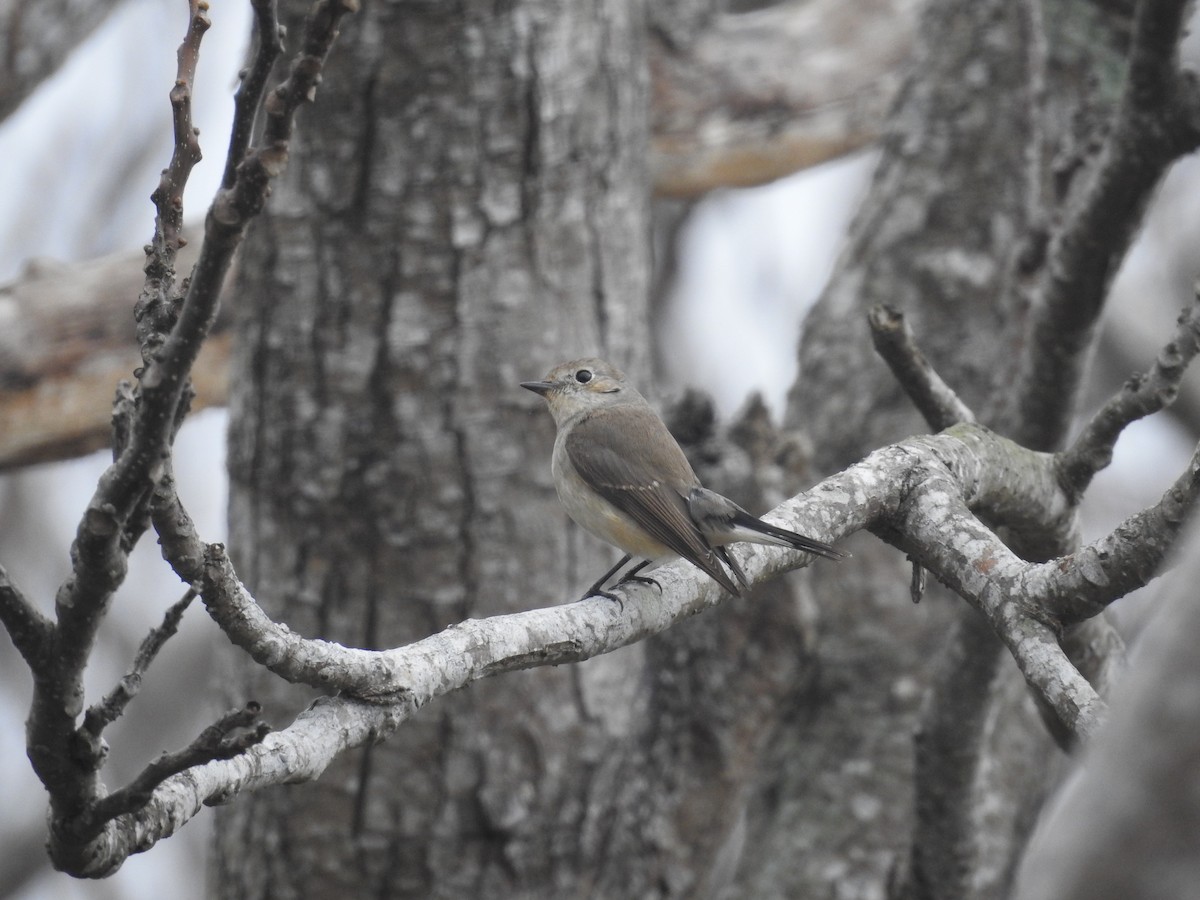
(581, 385)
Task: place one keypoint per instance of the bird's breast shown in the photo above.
(595, 514)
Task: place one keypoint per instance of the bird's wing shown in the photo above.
(630, 459)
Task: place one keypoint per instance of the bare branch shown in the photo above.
(894, 341)
(269, 38)
(231, 735)
(1157, 122)
(100, 715)
(298, 754)
(30, 631)
(1030, 604)
(235, 205)
(67, 760)
(66, 342)
(66, 766)
(1141, 396)
(921, 491)
(918, 493)
(1128, 557)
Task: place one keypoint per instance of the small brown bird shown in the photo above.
(622, 476)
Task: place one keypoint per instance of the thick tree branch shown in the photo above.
(1157, 122)
(922, 493)
(923, 490)
(761, 95)
(67, 341)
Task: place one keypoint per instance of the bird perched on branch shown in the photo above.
(623, 477)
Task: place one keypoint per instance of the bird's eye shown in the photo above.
(583, 376)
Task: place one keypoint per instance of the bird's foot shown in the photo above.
(641, 579)
(607, 595)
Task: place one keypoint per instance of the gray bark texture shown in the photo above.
(849, 805)
(466, 205)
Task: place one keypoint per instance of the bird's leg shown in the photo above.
(632, 575)
(595, 589)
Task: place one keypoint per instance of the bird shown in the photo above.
(622, 476)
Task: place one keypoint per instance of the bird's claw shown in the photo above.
(607, 595)
(641, 579)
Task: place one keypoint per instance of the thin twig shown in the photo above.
(100, 715)
(895, 343)
(229, 736)
(268, 36)
(1140, 396)
(157, 306)
(144, 462)
(234, 206)
(30, 631)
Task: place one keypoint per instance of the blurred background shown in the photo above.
(84, 153)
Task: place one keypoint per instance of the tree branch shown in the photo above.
(30, 631)
(67, 341)
(1157, 122)
(896, 344)
(1141, 396)
(922, 491)
(102, 714)
(760, 95)
(102, 541)
(171, 330)
(298, 754)
(231, 735)
(269, 38)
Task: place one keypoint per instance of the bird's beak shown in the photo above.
(538, 387)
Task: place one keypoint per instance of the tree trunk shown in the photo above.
(465, 206)
(950, 233)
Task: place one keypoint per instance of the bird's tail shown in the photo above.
(767, 533)
(722, 521)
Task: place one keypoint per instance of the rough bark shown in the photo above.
(469, 206)
(947, 234)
